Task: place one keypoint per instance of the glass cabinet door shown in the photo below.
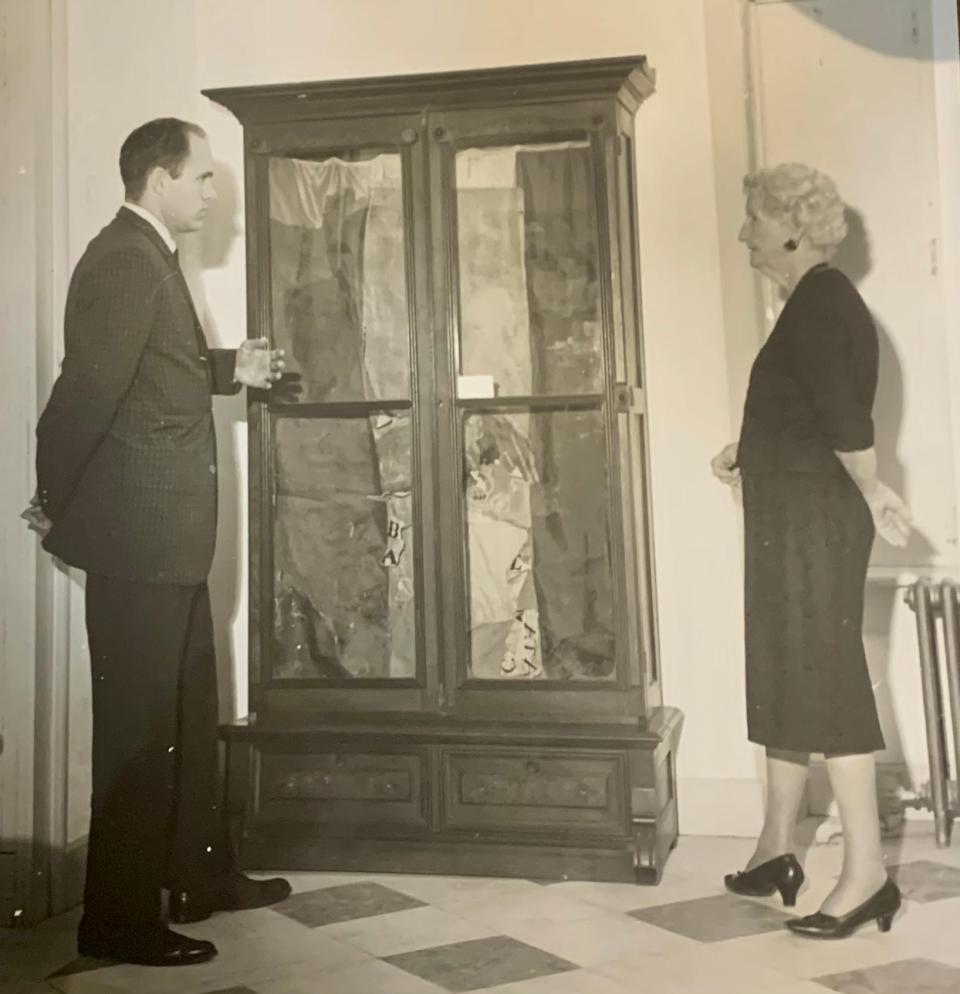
(528, 365)
(340, 576)
(440, 478)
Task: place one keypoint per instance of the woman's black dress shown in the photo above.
(808, 531)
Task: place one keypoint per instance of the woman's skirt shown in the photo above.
(807, 544)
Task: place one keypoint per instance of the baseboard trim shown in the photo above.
(728, 807)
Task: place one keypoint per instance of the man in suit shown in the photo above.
(127, 491)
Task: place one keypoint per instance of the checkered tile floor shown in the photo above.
(390, 934)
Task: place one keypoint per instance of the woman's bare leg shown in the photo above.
(853, 779)
(786, 782)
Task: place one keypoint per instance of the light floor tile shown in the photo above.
(918, 842)
(98, 982)
(266, 953)
(596, 940)
(919, 930)
(540, 904)
(584, 924)
(128, 979)
(375, 977)
(254, 940)
(454, 892)
(629, 897)
(26, 987)
(575, 982)
(705, 858)
(701, 968)
(403, 931)
(806, 958)
(790, 987)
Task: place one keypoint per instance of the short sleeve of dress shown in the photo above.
(836, 357)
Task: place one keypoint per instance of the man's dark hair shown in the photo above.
(163, 142)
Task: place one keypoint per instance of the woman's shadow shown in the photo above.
(883, 593)
(855, 260)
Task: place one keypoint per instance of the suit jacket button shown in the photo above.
(213, 468)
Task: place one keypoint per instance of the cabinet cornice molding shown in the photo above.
(628, 78)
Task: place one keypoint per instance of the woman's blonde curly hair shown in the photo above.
(809, 199)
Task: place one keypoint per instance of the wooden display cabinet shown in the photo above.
(453, 654)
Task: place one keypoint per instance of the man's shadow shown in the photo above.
(211, 249)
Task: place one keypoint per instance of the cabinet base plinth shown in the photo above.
(551, 802)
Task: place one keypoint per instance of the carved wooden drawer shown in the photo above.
(539, 789)
(342, 788)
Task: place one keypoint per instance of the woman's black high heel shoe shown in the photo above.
(882, 906)
(783, 873)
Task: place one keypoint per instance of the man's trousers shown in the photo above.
(156, 818)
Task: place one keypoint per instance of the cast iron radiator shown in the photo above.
(937, 610)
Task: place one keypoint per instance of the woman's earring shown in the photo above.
(791, 245)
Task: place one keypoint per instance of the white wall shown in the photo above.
(18, 280)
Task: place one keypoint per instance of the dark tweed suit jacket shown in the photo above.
(126, 452)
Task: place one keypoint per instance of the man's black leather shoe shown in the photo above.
(237, 893)
(146, 946)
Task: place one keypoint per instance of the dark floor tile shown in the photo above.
(232, 990)
(713, 919)
(344, 903)
(468, 966)
(909, 976)
(82, 964)
(925, 880)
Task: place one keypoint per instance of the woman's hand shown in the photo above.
(724, 465)
(891, 515)
(35, 518)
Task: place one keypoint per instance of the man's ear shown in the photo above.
(157, 180)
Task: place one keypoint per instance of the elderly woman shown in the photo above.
(812, 504)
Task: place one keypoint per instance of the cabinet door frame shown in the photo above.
(449, 131)
(393, 133)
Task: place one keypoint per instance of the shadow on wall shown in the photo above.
(855, 260)
(210, 249)
(856, 20)
(883, 595)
